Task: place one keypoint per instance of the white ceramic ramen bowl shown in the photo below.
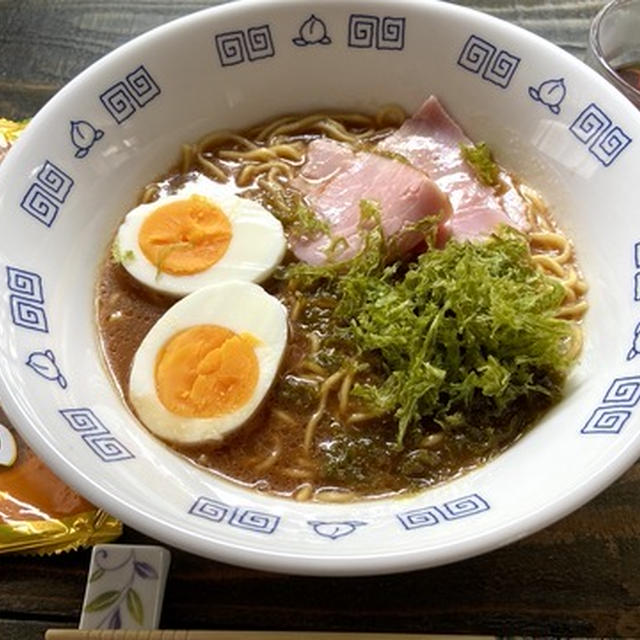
(80, 166)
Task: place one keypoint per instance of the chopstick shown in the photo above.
(79, 634)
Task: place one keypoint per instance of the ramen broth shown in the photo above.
(350, 452)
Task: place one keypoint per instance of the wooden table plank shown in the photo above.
(579, 577)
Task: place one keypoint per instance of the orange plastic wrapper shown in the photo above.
(38, 512)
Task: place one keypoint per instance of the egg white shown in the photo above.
(257, 243)
(242, 307)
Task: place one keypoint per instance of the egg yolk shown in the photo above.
(206, 371)
(186, 236)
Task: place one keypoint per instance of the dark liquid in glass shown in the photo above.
(630, 73)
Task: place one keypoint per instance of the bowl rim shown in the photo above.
(314, 564)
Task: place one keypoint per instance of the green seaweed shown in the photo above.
(119, 256)
(465, 337)
(480, 158)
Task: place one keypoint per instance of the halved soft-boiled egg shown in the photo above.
(207, 364)
(203, 234)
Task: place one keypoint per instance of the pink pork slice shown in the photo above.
(335, 180)
(430, 141)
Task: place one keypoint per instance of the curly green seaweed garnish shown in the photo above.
(480, 158)
(119, 256)
(467, 335)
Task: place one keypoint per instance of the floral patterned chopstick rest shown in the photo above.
(125, 587)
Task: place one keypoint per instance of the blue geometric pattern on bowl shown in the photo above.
(606, 420)
(452, 510)
(624, 392)
(483, 58)
(26, 300)
(235, 47)
(465, 506)
(97, 437)
(594, 129)
(26, 284)
(242, 518)
(335, 530)
(369, 31)
(550, 93)
(123, 98)
(312, 31)
(615, 410)
(45, 195)
(28, 315)
(44, 364)
(254, 520)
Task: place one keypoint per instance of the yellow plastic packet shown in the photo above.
(38, 512)
(9, 133)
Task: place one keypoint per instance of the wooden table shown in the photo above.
(580, 577)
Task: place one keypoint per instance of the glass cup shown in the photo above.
(614, 46)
